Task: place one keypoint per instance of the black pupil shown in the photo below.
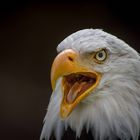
(100, 54)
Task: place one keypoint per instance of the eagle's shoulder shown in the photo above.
(69, 134)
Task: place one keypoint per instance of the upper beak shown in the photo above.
(67, 63)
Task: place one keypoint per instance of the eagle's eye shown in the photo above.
(100, 56)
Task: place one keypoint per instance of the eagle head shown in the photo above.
(96, 85)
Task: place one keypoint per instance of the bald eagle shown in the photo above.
(96, 89)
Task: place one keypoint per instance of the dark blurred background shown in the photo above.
(29, 34)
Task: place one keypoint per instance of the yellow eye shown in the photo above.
(101, 56)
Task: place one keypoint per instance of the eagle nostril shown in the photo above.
(70, 58)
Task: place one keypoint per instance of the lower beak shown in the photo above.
(77, 80)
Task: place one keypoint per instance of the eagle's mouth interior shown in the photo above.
(76, 84)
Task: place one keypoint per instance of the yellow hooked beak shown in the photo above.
(77, 80)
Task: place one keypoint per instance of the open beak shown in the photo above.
(77, 80)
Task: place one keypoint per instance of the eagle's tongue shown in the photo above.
(75, 91)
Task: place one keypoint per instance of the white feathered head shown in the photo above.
(96, 85)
